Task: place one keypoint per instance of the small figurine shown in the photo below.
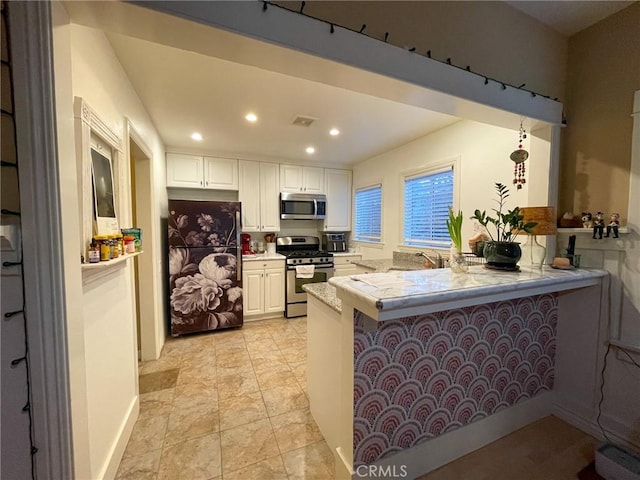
(598, 225)
(614, 223)
(587, 220)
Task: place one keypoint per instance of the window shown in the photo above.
(427, 197)
(368, 214)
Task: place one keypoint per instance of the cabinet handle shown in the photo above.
(201, 183)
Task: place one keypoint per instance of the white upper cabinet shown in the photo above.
(221, 173)
(338, 190)
(300, 179)
(197, 171)
(259, 193)
(185, 171)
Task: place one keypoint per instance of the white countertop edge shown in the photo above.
(262, 256)
(381, 309)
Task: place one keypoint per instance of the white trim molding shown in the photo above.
(32, 57)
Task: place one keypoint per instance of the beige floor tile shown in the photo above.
(156, 403)
(296, 342)
(246, 445)
(140, 467)
(270, 469)
(197, 459)
(152, 382)
(187, 423)
(313, 462)
(295, 429)
(299, 370)
(256, 333)
(241, 409)
(268, 360)
(227, 370)
(198, 393)
(166, 361)
(200, 358)
(147, 435)
(295, 354)
(232, 359)
(200, 373)
(275, 377)
(238, 384)
(284, 399)
(261, 345)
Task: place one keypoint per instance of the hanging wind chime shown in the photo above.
(518, 157)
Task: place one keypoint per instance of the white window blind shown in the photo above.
(368, 214)
(427, 197)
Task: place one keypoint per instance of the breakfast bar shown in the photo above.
(412, 369)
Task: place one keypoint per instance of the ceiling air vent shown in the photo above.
(303, 121)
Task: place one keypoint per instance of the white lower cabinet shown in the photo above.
(263, 284)
(344, 265)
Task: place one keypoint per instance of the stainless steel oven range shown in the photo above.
(305, 263)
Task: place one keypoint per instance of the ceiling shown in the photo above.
(187, 92)
(569, 16)
(209, 87)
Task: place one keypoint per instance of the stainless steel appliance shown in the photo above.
(334, 242)
(302, 252)
(205, 266)
(302, 206)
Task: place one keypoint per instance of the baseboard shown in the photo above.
(617, 432)
(342, 468)
(112, 463)
(433, 454)
(263, 316)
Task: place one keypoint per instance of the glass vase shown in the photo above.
(458, 263)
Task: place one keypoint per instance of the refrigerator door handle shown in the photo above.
(238, 248)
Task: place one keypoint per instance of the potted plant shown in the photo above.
(502, 251)
(457, 261)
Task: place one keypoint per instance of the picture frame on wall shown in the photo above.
(104, 202)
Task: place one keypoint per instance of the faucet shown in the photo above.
(438, 263)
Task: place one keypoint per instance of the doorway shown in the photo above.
(150, 333)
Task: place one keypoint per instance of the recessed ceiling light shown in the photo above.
(196, 136)
(251, 117)
(334, 131)
(310, 150)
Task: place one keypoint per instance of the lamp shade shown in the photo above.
(545, 217)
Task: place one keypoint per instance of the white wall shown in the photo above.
(483, 151)
(102, 330)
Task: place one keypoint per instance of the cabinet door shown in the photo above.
(269, 197)
(313, 180)
(184, 170)
(249, 195)
(253, 291)
(274, 290)
(291, 178)
(338, 190)
(221, 173)
(343, 270)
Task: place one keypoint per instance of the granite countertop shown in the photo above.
(384, 296)
(262, 256)
(326, 293)
(386, 264)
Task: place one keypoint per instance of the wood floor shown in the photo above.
(548, 449)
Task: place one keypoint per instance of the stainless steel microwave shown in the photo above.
(302, 206)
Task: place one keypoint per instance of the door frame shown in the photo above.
(43, 257)
(151, 330)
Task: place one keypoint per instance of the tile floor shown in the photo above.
(228, 405)
(548, 449)
(232, 405)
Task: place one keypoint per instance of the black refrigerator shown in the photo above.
(205, 266)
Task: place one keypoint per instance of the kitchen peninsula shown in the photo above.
(417, 368)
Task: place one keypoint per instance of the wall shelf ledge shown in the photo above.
(95, 271)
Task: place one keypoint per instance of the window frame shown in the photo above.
(450, 163)
(368, 186)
